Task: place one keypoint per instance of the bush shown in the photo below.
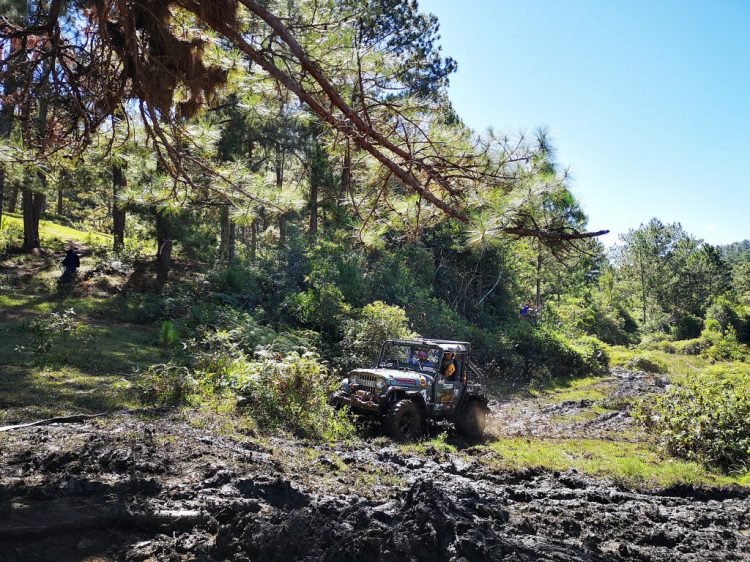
(57, 336)
(282, 389)
(364, 335)
(687, 327)
(167, 384)
(724, 314)
(725, 347)
(323, 308)
(291, 392)
(594, 353)
(174, 302)
(168, 335)
(545, 355)
(705, 418)
(435, 319)
(650, 364)
(11, 234)
(638, 361)
(691, 347)
(609, 323)
(237, 285)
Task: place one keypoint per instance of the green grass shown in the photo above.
(32, 304)
(54, 234)
(565, 389)
(630, 464)
(677, 364)
(95, 378)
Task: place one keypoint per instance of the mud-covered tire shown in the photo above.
(472, 421)
(403, 421)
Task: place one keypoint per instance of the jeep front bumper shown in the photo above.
(357, 400)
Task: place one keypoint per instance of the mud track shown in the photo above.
(135, 489)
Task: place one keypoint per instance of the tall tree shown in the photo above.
(424, 166)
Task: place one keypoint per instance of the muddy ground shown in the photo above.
(133, 487)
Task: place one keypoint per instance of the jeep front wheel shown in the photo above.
(403, 421)
(473, 421)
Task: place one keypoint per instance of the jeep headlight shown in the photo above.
(353, 379)
(422, 381)
(380, 384)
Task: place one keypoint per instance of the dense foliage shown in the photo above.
(705, 417)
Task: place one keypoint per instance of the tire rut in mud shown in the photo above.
(133, 490)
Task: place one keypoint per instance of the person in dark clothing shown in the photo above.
(71, 262)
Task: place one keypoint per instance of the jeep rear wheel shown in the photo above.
(403, 421)
(473, 421)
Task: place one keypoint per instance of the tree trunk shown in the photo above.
(33, 206)
(6, 125)
(279, 166)
(224, 233)
(539, 264)
(279, 185)
(13, 201)
(164, 246)
(119, 182)
(232, 241)
(2, 192)
(313, 206)
(59, 200)
(253, 240)
(346, 172)
(282, 228)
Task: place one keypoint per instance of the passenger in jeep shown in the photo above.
(447, 368)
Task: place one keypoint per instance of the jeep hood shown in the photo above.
(396, 377)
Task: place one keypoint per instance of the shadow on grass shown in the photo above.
(94, 378)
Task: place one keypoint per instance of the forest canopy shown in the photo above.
(366, 80)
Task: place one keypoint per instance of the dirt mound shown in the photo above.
(127, 489)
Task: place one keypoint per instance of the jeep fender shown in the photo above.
(396, 394)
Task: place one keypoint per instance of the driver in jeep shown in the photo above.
(447, 368)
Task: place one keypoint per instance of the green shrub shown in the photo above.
(167, 384)
(725, 347)
(433, 318)
(291, 392)
(168, 335)
(237, 285)
(285, 385)
(175, 301)
(637, 361)
(537, 355)
(705, 417)
(11, 234)
(724, 314)
(364, 335)
(649, 364)
(323, 308)
(608, 323)
(594, 353)
(687, 327)
(57, 336)
(691, 347)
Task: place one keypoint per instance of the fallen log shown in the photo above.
(79, 418)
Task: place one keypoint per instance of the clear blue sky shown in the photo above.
(648, 102)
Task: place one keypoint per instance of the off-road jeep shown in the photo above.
(412, 382)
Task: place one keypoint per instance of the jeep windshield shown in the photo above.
(409, 357)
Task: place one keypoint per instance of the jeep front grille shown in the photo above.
(368, 381)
